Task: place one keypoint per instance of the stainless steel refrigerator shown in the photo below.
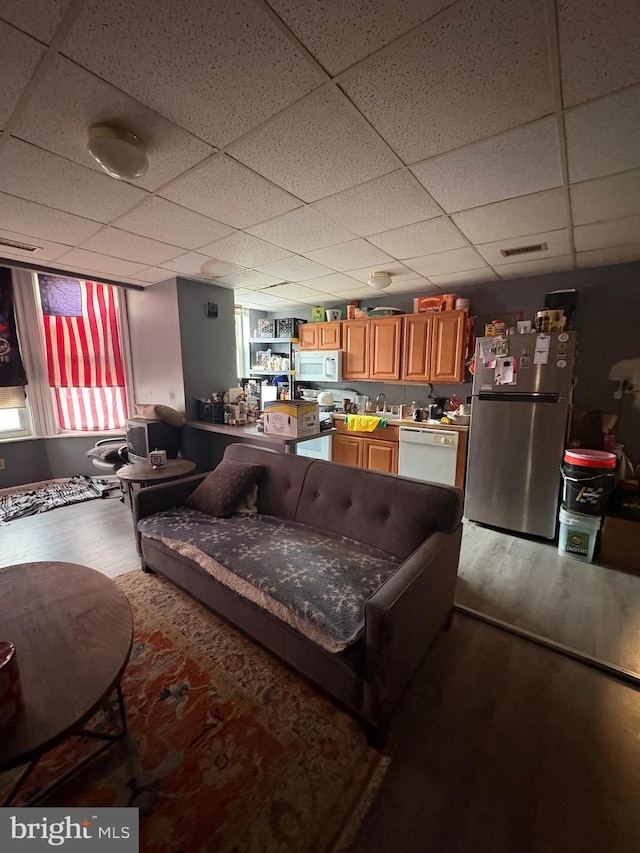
(519, 423)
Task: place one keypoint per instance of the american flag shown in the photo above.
(84, 359)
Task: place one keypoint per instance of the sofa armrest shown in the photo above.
(152, 499)
(403, 617)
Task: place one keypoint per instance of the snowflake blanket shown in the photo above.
(316, 581)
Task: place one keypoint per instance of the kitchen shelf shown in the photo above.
(273, 340)
(261, 372)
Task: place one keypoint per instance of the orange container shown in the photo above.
(427, 303)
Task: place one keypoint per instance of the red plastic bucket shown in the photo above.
(589, 478)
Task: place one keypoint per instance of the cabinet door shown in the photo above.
(385, 347)
(416, 356)
(448, 346)
(355, 358)
(347, 450)
(330, 335)
(308, 336)
(381, 456)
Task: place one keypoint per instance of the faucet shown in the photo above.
(382, 408)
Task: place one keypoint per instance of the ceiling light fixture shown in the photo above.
(379, 280)
(121, 154)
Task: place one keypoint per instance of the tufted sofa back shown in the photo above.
(391, 513)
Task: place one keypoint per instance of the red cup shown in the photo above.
(10, 691)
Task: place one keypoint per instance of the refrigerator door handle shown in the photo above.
(514, 397)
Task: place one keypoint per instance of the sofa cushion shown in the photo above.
(224, 488)
(315, 581)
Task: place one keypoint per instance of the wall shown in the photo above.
(607, 321)
(156, 354)
(34, 459)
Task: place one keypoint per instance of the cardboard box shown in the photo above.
(620, 544)
(427, 303)
(291, 418)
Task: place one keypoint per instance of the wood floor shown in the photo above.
(500, 745)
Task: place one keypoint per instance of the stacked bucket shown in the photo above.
(589, 478)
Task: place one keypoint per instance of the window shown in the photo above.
(83, 353)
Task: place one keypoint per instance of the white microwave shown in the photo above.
(319, 366)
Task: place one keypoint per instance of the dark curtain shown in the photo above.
(11, 369)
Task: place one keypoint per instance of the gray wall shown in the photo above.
(36, 459)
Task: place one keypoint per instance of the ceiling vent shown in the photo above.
(24, 247)
(524, 250)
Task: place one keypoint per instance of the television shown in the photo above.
(144, 435)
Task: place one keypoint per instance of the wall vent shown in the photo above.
(24, 247)
(524, 250)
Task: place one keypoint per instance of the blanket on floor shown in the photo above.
(78, 488)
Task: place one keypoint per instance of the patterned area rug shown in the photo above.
(227, 749)
(22, 502)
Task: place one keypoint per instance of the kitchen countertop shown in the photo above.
(412, 423)
(251, 433)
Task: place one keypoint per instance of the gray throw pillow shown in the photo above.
(224, 488)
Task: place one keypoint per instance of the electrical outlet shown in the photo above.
(2, 465)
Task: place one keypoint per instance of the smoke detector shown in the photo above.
(379, 280)
(120, 153)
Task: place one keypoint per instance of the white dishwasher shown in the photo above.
(428, 454)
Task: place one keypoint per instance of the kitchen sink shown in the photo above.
(390, 416)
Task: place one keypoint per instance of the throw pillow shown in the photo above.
(225, 487)
(154, 412)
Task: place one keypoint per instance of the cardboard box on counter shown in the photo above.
(620, 544)
(291, 418)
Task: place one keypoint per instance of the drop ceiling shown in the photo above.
(294, 146)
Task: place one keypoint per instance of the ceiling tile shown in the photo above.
(35, 17)
(558, 243)
(598, 47)
(559, 263)
(130, 247)
(606, 198)
(191, 263)
(398, 271)
(93, 262)
(414, 285)
(250, 279)
(349, 256)
(19, 57)
(475, 70)
(215, 68)
(601, 235)
(39, 221)
(318, 147)
(340, 34)
(260, 298)
(602, 136)
(170, 223)
(458, 260)
(301, 230)
(294, 269)
(46, 251)
(387, 202)
(545, 211)
(434, 235)
(516, 163)
(152, 275)
(243, 249)
(37, 175)
(462, 278)
(70, 99)
(291, 291)
(320, 299)
(604, 257)
(337, 282)
(363, 293)
(226, 191)
(214, 268)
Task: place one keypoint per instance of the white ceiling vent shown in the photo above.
(524, 250)
(24, 247)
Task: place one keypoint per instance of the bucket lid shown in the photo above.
(568, 516)
(591, 458)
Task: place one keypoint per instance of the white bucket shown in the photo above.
(333, 314)
(578, 534)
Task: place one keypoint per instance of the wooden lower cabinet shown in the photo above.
(347, 450)
(380, 455)
(361, 450)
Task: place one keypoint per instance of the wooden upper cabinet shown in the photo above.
(320, 336)
(355, 344)
(385, 347)
(447, 350)
(308, 336)
(330, 335)
(416, 356)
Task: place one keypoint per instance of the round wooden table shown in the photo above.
(146, 475)
(73, 630)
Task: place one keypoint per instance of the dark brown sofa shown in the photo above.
(417, 523)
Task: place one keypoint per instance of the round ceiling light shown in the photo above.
(379, 280)
(120, 153)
